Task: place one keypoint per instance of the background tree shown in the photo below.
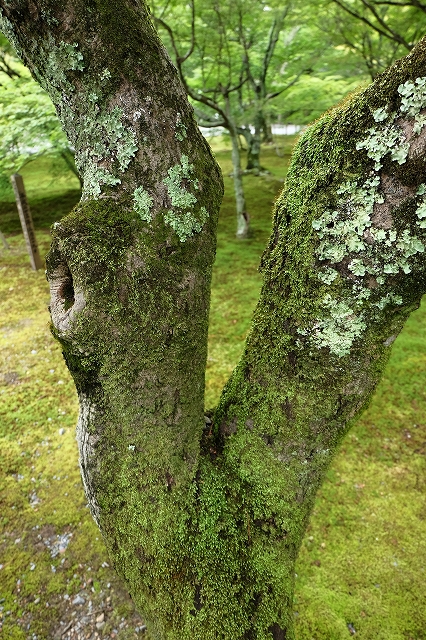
(233, 58)
(204, 523)
(271, 65)
(216, 62)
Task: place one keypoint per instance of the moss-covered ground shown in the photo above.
(362, 565)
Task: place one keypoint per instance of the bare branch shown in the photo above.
(396, 36)
(199, 97)
(388, 34)
(191, 48)
(413, 3)
(274, 34)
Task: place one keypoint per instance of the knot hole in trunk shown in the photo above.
(66, 291)
(65, 298)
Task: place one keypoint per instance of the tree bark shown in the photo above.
(205, 524)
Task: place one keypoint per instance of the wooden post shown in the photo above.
(4, 241)
(26, 221)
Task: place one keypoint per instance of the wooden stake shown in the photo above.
(26, 221)
(4, 241)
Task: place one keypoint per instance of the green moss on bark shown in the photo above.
(205, 525)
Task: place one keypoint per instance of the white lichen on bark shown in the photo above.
(182, 218)
(359, 231)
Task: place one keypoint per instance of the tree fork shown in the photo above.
(205, 524)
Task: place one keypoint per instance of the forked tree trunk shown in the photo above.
(205, 525)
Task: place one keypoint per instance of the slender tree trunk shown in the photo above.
(253, 149)
(204, 524)
(253, 153)
(237, 174)
(266, 127)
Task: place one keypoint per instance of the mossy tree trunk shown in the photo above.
(205, 524)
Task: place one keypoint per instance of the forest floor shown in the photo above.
(362, 565)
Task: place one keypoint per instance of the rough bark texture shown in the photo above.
(205, 524)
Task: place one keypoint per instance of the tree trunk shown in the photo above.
(253, 154)
(237, 174)
(253, 149)
(266, 127)
(205, 524)
(253, 145)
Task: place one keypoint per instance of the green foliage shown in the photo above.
(233, 47)
(29, 128)
(370, 35)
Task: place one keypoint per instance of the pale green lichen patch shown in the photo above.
(180, 133)
(389, 137)
(379, 252)
(179, 195)
(383, 140)
(380, 114)
(104, 144)
(182, 218)
(327, 275)
(142, 204)
(60, 59)
(106, 74)
(186, 224)
(413, 96)
(107, 140)
(339, 329)
(350, 234)
(121, 140)
(95, 176)
(69, 57)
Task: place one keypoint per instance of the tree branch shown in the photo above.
(269, 96)
(199, 97)
(387, 33)
(396, 36)
(413, 3)
(273, 36)
(191, 48)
